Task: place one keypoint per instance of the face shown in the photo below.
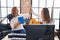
(42, 13)
(15, 12)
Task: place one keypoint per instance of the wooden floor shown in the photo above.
(6, 38)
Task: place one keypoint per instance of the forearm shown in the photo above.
(36, 14)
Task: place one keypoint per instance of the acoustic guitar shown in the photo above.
(33, 21)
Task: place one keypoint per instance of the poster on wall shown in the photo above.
(25, 6)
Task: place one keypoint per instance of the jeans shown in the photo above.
(19, 31)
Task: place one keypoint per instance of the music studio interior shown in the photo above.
(29, 19)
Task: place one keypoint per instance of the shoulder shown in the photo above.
(9, 15)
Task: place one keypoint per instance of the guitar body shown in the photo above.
(33, 21)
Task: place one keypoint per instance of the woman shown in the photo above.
(16, 26)
(9, 16)
(45, 16)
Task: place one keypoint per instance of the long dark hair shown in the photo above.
(46, 15)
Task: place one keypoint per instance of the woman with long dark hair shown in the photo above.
(45, 16)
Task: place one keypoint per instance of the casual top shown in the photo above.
(47, 23)
(14, 21)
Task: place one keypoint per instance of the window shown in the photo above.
(56, 13)
(10, 3)
(42, 3)
(34, 3)
(6, 6)
(37, 6)
(56, 24)
(35, 10)
(50, 3)
(56, 3)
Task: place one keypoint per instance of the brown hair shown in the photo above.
(14, 11)
(46, 16)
